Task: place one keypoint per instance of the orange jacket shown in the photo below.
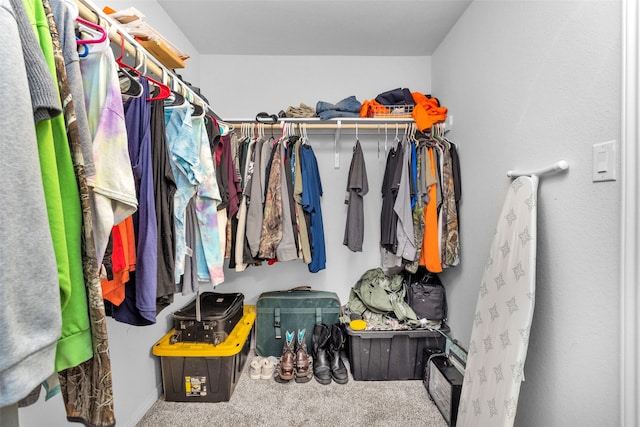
(430, 254)
(427, 111)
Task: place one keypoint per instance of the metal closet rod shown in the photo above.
(363, 124)
(92, 13)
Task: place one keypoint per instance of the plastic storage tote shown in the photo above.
(390, 355)
(200, 372)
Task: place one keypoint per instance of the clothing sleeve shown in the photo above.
(42, 88)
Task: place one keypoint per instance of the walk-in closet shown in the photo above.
(524, 84)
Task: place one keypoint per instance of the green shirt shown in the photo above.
(63, 208)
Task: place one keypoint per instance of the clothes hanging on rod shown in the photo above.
(63, 204)
(31, 321)
(114, 192)
(357, 188)
(95, 162)
(209, 252)
(421, 191)
(273, 221)
(141, 309)
(93, 375)
(82, 347)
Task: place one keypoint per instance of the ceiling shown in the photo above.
(315, 27)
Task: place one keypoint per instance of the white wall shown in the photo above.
(242, 86)
(530, 83)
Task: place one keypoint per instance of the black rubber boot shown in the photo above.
(338, 370)
(320, 344)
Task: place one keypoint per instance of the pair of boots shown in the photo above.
(294, 362)
(327, 343)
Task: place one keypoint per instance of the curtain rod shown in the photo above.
(92, 13)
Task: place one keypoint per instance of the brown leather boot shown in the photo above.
(304, 373)
(286, 368)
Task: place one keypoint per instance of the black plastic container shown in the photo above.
(199, 372)
(390, 355)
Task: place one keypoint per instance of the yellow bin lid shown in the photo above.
(231, 346)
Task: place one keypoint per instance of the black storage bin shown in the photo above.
(200, 372)
(390, 355)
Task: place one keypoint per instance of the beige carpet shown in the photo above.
(268, 403)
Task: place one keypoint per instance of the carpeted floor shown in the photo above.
(268, 403)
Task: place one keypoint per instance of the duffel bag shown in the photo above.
(427, 296)
(290, 310)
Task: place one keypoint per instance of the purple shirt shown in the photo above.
(139, 307)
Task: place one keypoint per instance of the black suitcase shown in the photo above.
(209, 318)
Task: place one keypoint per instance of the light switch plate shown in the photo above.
(604, 161)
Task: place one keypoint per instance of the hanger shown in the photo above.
(385, 140)
(396, 140)
(378, 140)
(130, 86)
(85, 50)
(198, 110)
(283, 131)
(225, 127)
(413, 130)
(119, 60)
(101, 32)
(305, 135)
(164, 90)
(176, 99)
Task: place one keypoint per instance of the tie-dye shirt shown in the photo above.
(114, 195)
(209, 252)
(184, 156)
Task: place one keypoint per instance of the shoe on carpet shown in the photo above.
(286, 367)
(255, 368)
(267, 369)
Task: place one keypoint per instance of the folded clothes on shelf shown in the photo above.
(348, 107)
